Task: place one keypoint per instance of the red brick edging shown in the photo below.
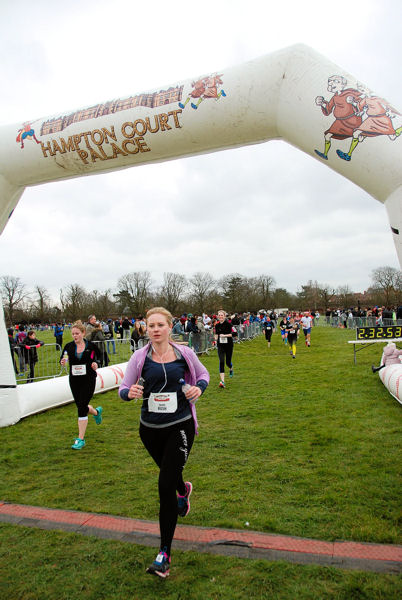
(204, 535)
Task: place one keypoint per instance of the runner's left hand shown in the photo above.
(193, 393)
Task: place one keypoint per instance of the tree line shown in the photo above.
(136, 291)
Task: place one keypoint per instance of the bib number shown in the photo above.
(78, 369)
(162, 403)
(223, 340)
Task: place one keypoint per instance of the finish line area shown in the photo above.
(318, 512)
(380, 558)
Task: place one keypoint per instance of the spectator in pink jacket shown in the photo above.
(391, 357)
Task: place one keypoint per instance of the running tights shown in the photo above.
(169, 447)
(225, 351)
(82, 388)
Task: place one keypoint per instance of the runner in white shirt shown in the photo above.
(207, 321)
(306, 322)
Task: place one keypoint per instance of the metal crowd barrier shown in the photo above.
(115, 351)
(112, 352)
(204, 341)
(200, 342)
(47, 366)
(352, 323)
(248, 332)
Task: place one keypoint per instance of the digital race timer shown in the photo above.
(379, 333)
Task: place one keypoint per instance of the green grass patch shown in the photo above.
(307, 447)
(50, 565)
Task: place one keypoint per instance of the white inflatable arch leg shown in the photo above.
(391, 376)
(294, 94)
(393, 204)
(10, 411)
(50, 393)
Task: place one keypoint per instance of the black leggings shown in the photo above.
(169, 447)
(225, 352)
(31, 371)
(82, 388)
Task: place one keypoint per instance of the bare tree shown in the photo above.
(172, 290)
(315, 295)
(326, 294)
(62, 301)
(249, 296)
(389, 281)
(260, 291)
(74, 300)
(284, 299)
(134, 291)
(235, 292)
(101, 303)
(13, 293)
(265, 286)
(346, 297)
(309, 295)
(201, 288)
(41, 305)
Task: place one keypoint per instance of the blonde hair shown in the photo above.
(78, 325)
(159, 310)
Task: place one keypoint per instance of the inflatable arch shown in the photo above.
(391, 376)
(294, 94)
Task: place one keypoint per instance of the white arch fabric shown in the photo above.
(294, 94)
(391, 376)
(50, 393)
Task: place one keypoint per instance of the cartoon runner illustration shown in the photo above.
(378, 119)
(346, 115)
(203, 89)
(26, 132)
(211, 90)
(199, 89)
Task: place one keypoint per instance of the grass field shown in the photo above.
(307, 447)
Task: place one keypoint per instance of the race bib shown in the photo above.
(162, 403)
(78, 369)
(223, 339)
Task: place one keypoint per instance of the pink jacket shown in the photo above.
(391, 355)
(196, 371)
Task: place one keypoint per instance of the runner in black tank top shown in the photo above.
(224, 341)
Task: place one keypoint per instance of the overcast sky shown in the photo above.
(285, 213)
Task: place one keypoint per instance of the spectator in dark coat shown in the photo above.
(13, 348)
(98, 338)
(126, 325)
(30, 345)
(58, 334)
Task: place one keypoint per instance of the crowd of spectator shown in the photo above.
(362, 317)
(107, 332)
(23, 348)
